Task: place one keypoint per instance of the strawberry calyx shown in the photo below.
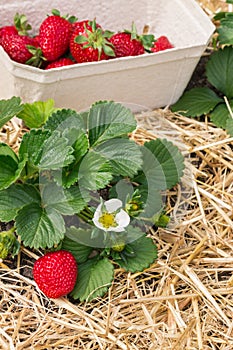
(96, 38)
(71, 19)
(21, 24)
(37, 58)
(146, 40)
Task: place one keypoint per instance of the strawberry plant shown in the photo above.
(216, 99)
(79, 184)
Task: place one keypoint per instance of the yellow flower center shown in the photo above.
(107, 220)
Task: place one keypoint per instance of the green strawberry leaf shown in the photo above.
(94, 172)
(225, 30)
(163, 164)
(6, 150)
(109, 120)
(226, 18)
(64, 119)
(94, 278)
(220, 15)
(9, 109)
(124, 156)
(14, 198)
(196, 102)
(38, 227)
(219, 70)
(229, 127)
(65, 201)
(220, 115)
(151, 197)
(88, 235)
(69, 175)
(35, 114)
(225, 35)
(81, 252)
(32, 145)
(122, 189)
(46, 150)
(138, 255)
(10, 170)
(78, 140)
(56, 152)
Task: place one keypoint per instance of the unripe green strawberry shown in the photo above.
(8, 243)
(55, 273)
(118, 246)
(3, 251)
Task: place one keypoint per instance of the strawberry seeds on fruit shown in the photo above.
(89, 42)
(55, 273)
(161, 44)
(60, 62)
(54, 35)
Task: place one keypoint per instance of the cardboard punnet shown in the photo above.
(150, 80)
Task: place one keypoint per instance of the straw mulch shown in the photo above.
(183, 301)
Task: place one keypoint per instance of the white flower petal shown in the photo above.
(97, 213)
(96, 217)
(117, 229)
(98, 210)
(122, 218)
(112, 205)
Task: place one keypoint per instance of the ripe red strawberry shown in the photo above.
(7, 30)
(21, 27)
(130, 43)
(124, 45)
(54, 36)
(162, 43)
(16, 46)
(55, 273)
(89, 42)
(60, 62)
(138, 47)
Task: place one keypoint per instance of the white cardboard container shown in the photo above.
(150, 80)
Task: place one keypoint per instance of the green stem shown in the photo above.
(86, 214)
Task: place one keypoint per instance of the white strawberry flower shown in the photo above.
(109, 216)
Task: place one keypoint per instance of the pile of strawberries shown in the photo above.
(63, 41)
